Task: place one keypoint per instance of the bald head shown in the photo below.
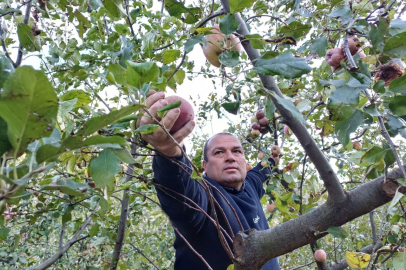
(206, 144)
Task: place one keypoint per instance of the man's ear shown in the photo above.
(204, 165)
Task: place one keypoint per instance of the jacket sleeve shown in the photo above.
(176, 186)
(258, 175)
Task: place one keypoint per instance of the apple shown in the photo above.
(275, 150)
(289, 166)
(255, 125)
(390, 71)
(357, 145)
(186, 113)
(217, 42)
(260, 155)
(353, 45)
(270, 207)
(320, 255)
(255, 133)
(263, 121)
(287, 130)
(334, 57)
(254, 119)
(259, 114)
(262, 129)
(248, 167)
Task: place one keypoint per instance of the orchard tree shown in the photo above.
(321, 80)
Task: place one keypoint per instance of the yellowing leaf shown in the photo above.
(357, 259)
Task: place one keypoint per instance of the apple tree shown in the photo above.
(323, 80)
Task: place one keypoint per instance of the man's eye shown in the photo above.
(217, 152)
(238, 151)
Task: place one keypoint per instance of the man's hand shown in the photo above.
(159, 138)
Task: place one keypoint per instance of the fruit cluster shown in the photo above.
(336, 55)
(275, 152)
(259, 123)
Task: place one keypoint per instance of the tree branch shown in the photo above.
(123, 216)
(97, 95)
(140, 252)
(20, 47)
(327, 174)
(261, 246)
(66, 247)
(3, 44)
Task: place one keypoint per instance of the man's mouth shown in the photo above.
(230, 168)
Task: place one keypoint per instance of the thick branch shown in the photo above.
(123, 217)
(66, 247)
(261, 246)
(322, 165)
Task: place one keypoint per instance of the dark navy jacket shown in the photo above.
(195, 226)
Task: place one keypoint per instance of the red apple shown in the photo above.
(270, 207)
(255, 125)
(334, 57)
(263, 121)
(320, 255)
(186, 112)
(287, 130)
(357, 145)
(259, 114)
(275, 150)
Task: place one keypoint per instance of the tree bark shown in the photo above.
(123, 216)
(254, 248)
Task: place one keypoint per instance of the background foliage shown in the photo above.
(66, 128)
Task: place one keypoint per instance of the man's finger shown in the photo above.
(152, 99)
(170, 118)
(184, 131)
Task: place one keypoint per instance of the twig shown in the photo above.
(20, 47)
(123, 216)
(105, 26)
(392, 146)
(61, 236)
(140, 252)
(321, 102)
(211, 16)
(351, 61)
(273, 17)
(301, 183)
(97, 95)
(373, 229)
(128, 17)
(401, 11)
(197, 254)
(3, 44)
(178, 67)
(66, 247)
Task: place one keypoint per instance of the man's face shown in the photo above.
(225, 161)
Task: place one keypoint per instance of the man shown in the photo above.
(186, 201)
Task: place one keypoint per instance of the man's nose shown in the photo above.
(230, 156)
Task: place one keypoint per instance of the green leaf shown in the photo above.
(98, 122)
(94, 230)
(319, 46)
(82, 97)
(95, 4)
(178, 10)
(398, 105)
(147, 72)
(67, 186)
(29, 105)
(230, 59)
(256, 40)
(399, 260)
(397, 26)
(396, 45)
(27, 39)
(345, 94)
(337, 232)
(228, 24)
(125, 156)
(287, 104)
(190, 43)
(170, 56)
(118, 72)
(161, 112)
(398, 85)
(379, 87)
(4, 142)
(114, 9)
(344, 14)
(374, 155)
(239, 5)
(394, 124)
(377, 34)
(371, 110)
(285, 65)
(343, 129)
(4, 231)
(105, 167)
(6, 68)
(146, 129)
(231, 107)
